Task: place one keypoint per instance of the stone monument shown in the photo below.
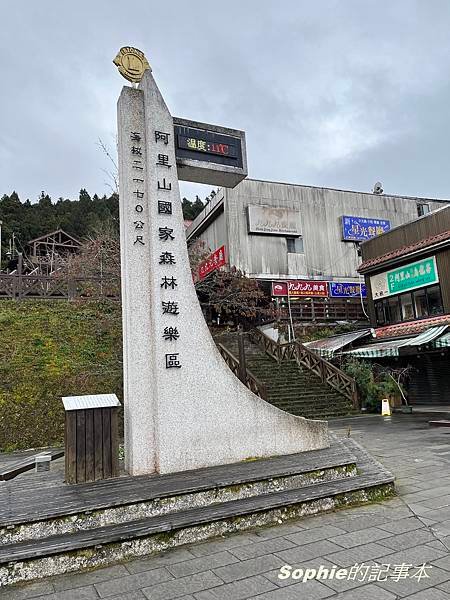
(184, 408)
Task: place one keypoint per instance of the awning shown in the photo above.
(442, 342)
(328, 346)
(392, 347)
(428, 336)
(387, 348)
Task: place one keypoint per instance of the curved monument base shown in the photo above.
(227, 423)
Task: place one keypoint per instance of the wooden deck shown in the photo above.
(16, 467)
(183, 519)
(41, 496)
(34, 506)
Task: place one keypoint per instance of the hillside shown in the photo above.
(51, 349)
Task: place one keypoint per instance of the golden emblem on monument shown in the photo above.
(131, 63)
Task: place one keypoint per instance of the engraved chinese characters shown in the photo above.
(138, 166)
(165, 233)
(169, 307)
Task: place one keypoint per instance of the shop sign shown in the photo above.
(360, 229)
(214, 261)
(273, 221)
(300, 288)
(349, 289)
(415, 275)
(279, 288)
(409, 277)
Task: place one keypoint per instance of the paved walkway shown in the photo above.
(411, 529)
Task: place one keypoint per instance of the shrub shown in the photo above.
(373, 381)
(362, 373)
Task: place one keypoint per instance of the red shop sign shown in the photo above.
(214, 261)
(300, 287)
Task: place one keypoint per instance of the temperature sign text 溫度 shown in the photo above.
(201, 145)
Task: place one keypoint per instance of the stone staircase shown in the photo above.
(289, 387)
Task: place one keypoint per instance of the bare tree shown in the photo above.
(399, 376)
(97, 263)
(113, 175)
(228, 291)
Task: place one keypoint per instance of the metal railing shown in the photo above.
(326, 371)
(248, 379)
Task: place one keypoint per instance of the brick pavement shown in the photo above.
(413, 528)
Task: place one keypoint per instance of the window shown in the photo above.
(295, 245)
(406, 303)
(393, 314)
(423, 209)
(434, 300)
(420, 303)
(379, 312)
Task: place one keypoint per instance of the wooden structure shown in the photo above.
(47, 250)
(307, 359)
(322, 310)
(91, 437)
(72, 527)
(407, 272)
(26, 464)
(245, 375)
(18, 287)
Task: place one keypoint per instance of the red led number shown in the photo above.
(220, 148)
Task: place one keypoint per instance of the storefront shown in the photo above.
(407, 271)
(410, 292)
(407, 274)
(314, 300)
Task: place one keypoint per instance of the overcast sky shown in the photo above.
(330, 93)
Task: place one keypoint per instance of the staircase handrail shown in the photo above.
(249, 380)
(328, 373)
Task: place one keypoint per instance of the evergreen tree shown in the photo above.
(29, 220)
(192, 209)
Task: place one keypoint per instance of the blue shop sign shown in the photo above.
(347, 289)
(359, 229)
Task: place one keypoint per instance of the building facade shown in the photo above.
(407, 273)
(284, 231)
(306, 237)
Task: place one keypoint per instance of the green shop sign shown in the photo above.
(415, 275)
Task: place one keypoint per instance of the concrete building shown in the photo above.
(407, 273)
(303, 239)
(284, 231)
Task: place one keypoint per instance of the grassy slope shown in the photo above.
(50, 349)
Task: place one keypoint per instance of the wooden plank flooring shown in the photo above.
(27, 463)
(188, 518)
(34, 498)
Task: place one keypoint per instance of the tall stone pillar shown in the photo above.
(184, 408)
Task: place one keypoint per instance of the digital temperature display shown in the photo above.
(208, 153)
(209, 147)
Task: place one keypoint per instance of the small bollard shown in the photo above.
(42, 463)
